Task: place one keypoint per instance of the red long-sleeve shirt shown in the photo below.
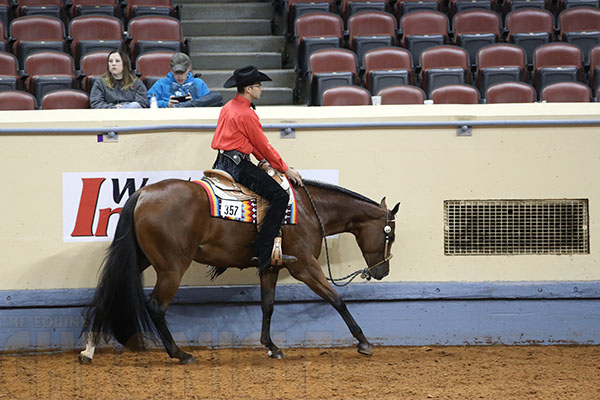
(239, 129)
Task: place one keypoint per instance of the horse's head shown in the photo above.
(375, 238)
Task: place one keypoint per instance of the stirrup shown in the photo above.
(277, 253)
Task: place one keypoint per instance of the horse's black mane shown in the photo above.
(329, 186)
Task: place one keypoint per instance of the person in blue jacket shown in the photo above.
(181, 89)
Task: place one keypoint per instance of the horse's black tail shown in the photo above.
(119, 304)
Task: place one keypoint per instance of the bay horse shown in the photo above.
(168, 224)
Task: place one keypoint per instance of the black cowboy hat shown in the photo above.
(246, 76)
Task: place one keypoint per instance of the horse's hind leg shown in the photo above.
(314, 278)
(166, 287)
(268, 281)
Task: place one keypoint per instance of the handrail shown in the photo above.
(316, 125)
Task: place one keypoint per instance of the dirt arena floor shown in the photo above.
(461, 373)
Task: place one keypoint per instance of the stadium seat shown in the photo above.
(567, 92)
(406, 6)
(456, 6)
(6, 7)
(316, 31)
(351, 7)
(369, 30)
(50, 8)
(510, 92)
(329, 68)
(580, 26)
(9, 76)
(513, 5)
(35, 33)
(154, 33)
(455, 94)
(474, 29)
(387, 66)
(137, 8)
(47, 71)
(500, 62)
(564, 4)
(530, 28)
(346, 96)
(557, 62)
(594, 69)
(402, 94)
(65, 99)
(17, 100)
(153, 66)
(90, 33)
(110, 8)
(421, 30)
(92, 66)
(3, 44)
(444, 65)
(297, 8)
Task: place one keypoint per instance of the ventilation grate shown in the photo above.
(479, 227)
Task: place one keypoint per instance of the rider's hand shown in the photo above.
(294, 176)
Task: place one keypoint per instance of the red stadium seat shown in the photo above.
(500, 62)
(316, 31)
(329, 68)
(530, 28)
(154, 33)
(48, 71)
(510, 92)
(581, 26)
(387, 66)
(369, 30)
(65, 99)
(9, 75)
(36, 32)
(402, 94)
(346, 96)
(91, 33)
(444, 65)
(557, 62)
(153, 66)
(474, 29)
(92, 66)
(17, 100)
(567, 92)
(455, 94)
(421, 30)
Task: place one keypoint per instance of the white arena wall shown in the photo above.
(428, 298)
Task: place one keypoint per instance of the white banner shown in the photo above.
(92, 201)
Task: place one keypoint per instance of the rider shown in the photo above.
(239, 133)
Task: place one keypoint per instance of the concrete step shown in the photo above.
(226, 11)
(270, 96)
(263, 60)
(226, 27)
(226, 44)
(281, 77)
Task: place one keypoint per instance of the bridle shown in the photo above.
(365, 273)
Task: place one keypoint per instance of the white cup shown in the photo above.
(428, 102)
(376, 100)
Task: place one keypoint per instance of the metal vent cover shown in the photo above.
(498, 227)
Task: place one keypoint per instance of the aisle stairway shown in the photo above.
(232, 33)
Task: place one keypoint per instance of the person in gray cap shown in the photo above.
(239, 133)
(181, 89)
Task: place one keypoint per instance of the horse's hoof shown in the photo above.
(187, 360)
(84, 359)
(365, 348)
(277, 354)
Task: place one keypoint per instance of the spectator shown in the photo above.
(118, 87)
(181, 89)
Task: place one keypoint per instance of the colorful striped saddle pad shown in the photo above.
(230, 200)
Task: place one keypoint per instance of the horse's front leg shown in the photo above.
(314, 278)
(268, 281)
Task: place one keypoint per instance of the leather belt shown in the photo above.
(235, 156)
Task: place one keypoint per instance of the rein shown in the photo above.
(364, 273)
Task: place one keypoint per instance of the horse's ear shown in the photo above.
(382, 203)
(396, 208)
